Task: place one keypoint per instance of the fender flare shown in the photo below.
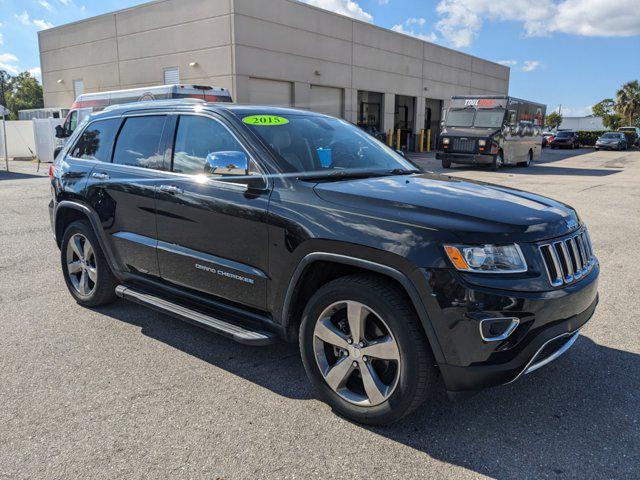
(400, 277)
(95, 224)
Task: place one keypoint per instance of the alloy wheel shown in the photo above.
(356, 353)
(81, 265)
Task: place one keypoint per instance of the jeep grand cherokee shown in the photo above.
(263, 223)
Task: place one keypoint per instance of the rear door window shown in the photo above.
(96, 141)
(140, 142)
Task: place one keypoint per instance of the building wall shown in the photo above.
(237, 43)
(589, 124)
(131, 48)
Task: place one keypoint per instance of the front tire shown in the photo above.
(446, 163)
(498, 162)
(364, 350)
(85, 268)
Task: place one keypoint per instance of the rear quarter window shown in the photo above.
(96, 141)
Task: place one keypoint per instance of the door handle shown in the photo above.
(100, 176)
(171, 189)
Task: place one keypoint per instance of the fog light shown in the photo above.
(498, 329)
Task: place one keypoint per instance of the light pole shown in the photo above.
(4, 121)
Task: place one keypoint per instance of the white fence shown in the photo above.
(46, 141)
(20, 139)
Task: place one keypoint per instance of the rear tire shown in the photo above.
(529, 160)
(446, 163)
(86, 271)
(336, 362)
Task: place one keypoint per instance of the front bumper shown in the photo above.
(466, 158)
(548, 324)
(608, 146)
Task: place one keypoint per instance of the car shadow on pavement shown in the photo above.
(576, 418)
(4, 175)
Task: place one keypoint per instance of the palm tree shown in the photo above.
(628, 102)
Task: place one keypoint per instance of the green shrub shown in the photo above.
(588, 139)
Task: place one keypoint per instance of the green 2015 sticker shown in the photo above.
(265, 120)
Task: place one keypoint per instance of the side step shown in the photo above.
(256, 338)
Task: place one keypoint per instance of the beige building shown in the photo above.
(276, 52)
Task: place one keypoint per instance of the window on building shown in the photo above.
(138, 144)
(171, 76)
(78, 87)
(96, 141)
(197, 138)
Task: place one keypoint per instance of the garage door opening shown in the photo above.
(327, 100)
(270, 92)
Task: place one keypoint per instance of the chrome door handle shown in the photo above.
(171, 189)
(100, 176)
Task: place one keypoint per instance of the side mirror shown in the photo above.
(61, 132)
(401, 153)
(227, 164)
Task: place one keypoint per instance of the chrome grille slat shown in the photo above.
(464, 145)
(568, 260)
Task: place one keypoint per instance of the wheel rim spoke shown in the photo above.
(338, 375)
(373, 386)
(328, 333)
(356, 316)
(88, 251)
(74, 267)
(77, 246)
(383, 349)
(93, 274)
(84, 283)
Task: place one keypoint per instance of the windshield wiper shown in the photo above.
(338, 175)
(401, 171)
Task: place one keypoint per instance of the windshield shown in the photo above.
(460, 118)
(563, 134)
(324, 146)
(611, 135)
(489, 118)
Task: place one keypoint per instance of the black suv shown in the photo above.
(264, 223)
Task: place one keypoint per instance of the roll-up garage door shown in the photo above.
(327, 100)
(270, 92)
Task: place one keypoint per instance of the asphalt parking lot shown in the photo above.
(124, 392)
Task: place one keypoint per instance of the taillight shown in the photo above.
(51, 171)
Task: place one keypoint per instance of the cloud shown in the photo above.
(416, 21)
(9, 63)
(36, 72)
(531, 65)
(23, 18)
(508, 63)
(46, 5)
(42, 24)
(461, 20)
(344, 7)
(1, 39)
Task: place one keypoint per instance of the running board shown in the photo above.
(246, 336)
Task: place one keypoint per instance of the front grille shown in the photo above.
(464, 145)
(568, 260)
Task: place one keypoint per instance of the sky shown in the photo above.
(572, 53)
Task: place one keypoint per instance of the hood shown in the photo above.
(473, 211)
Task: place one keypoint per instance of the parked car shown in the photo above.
(547, 138)
(612, 141)
(635, 134)
(263, 223)
(565, 139)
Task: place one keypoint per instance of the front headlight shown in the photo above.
(445, 141)
(482, 143)
(487, 258)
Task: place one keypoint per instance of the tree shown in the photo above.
(24, 93)
(606, 109)
(554, 120)
(628, 102)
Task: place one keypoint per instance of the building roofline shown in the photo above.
(295, 2)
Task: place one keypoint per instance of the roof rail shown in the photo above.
(154, 102)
